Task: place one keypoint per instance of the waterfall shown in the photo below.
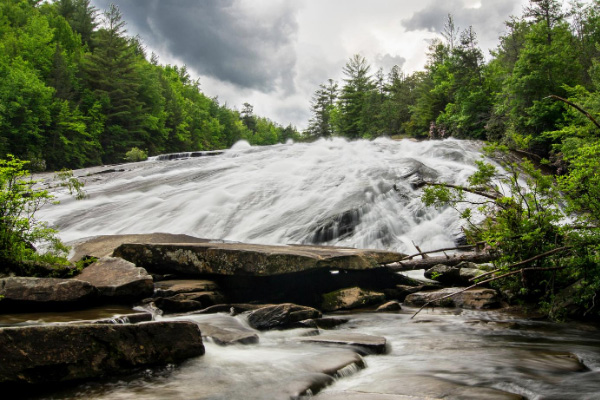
(358, 194)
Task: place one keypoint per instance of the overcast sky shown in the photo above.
(273, 54)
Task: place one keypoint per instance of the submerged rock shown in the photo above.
(225, 330)
(60, 353)
(249, 259)
(118, 279)
(281, 316)
(345, 299)
(372, 344)
(45, 293)
(478, 299)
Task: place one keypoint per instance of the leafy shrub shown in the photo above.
(135, 155)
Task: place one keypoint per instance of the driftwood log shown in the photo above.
(450, 260)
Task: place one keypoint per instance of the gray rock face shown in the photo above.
(372, 344)
(477, 299)
(38, 293)
(281, 316)
(345, 299)
(59, 353)
(248, 259)
(116, 278)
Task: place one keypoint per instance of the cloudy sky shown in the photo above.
(273, 54)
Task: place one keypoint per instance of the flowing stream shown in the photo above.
(360, 194)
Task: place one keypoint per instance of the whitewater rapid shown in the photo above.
(357, 194)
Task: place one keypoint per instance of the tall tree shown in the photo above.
(322, 105)
(353, 121)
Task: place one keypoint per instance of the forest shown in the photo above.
(77, 91)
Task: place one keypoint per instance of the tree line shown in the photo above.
(77, 91)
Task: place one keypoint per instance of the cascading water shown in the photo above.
(358, 194)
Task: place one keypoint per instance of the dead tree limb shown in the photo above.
(519, 271)
(575, 106)
(464, 189)
(524, 262)
(463, 247)
(451, 260)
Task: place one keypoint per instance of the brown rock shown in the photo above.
(118, 279)
(472, 299)
(169, 288)
(281, 316)
(45, 293)
(59, 353)
(350, 298)
(390, 306)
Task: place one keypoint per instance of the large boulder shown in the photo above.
(248, 259)
(118, 279)
(355, 297)
(478, 298)
(59, 353)
(27, 293)
(281, 316)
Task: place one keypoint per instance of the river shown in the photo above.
(360, 194)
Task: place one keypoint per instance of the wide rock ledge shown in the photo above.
(59, 353)
(281, 316)
(248, 259)
(29, 293)
(118, 279)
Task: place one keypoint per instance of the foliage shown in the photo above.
(135, 155)
(517, 211)
(19, 228)
(77, 93)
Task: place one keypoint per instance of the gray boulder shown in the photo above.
(281, 316)
(60, 353)
(45, 293)
(118, 279)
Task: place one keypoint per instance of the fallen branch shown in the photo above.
(463, 247)
(409, 265)
(519, 271)
(524, 262)
(464, 189)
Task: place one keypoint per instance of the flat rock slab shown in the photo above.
(103, 246)
(476, 299)
(59, 353)
(373, 344)
(248, 259)
(176, 286)
(116, 278)
(44, 293)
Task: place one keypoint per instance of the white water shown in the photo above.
(279, 194)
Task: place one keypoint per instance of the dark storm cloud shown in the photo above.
(224, 39)
(487, 20)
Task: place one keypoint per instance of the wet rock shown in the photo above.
(467, 275)
(45, 293)
(225, 330)
(345, 299)
(184, 302)
(59, 353)
(401, 291)
(169, 288)
(248, 259)
(477, 298)
(372, 344)
(281, 316)
(330, 322)
(118, 279)
(390, 306)
(396, 383)
(119, 319)
(444, 274)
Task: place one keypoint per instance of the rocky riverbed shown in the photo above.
(265, 322)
